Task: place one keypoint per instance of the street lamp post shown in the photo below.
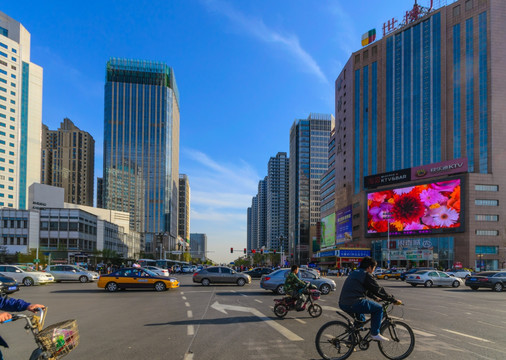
(388, 216)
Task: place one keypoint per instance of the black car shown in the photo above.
(495, 280)
(412, 271)
(8, 285)
(257, 273)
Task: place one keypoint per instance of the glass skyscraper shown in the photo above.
(141, 146)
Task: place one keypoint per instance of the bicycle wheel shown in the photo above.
(402, 340)
(280, 310)
(335, 340)
(314, 310)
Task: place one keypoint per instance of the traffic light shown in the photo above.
(291, 255)
(231, 250)
(253, 251)
(245, 250)
(274, 252)
(261, 251)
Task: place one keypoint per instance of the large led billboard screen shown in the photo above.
(420, 209)
(328, 231)
(344, 225)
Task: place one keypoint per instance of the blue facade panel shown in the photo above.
(483, 96)
(357, 132)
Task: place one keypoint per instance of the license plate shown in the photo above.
(12, 287)
(472, 279)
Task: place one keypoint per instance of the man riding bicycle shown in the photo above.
(359, 285)
(293, 286)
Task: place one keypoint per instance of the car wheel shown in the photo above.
(456, 284)
(160, 286)
(241, 282)
(28, 281)
(498, 287)
(280, 290)
(474, 287)
(111, 287)
(414, 285)
(386, 277)
(325, 289)
(83, 279)
(428, 283)
(205, 282)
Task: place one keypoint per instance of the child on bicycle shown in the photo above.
(359, 285)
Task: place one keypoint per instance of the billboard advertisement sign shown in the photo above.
(389, 178)
(328, 231)
(419, 209)
(439, 169)
(343, 225)
(354, 253)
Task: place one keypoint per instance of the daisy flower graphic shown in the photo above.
(446, 217)
(403, 190)
(431, 196)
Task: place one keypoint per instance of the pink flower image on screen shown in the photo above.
(446, 217)
(431, 196)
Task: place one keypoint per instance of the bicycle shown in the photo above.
(53, 342)
(288, 303)
(336, 340)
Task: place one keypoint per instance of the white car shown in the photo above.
(460, 273)
(25, 275)
(157, 270)
(186, 270)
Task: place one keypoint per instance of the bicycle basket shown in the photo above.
(59, 339)
(315, 294)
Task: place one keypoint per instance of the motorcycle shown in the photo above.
(309, 295)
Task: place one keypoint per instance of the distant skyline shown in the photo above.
(241, 68)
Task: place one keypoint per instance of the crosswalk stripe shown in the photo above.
(469, 336)
(423, 333)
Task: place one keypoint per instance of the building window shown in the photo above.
(491, 250)
(469, 4)
(482, 217)
(485, 202)
(456, 10)
(357, 58)
(486, 187)
(487, 232)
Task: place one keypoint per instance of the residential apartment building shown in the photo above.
(277, 202)
(184, 207)
(68, 161)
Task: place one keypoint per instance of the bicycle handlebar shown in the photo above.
(28, 318)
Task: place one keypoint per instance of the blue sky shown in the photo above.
(245, 71)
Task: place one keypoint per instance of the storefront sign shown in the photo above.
(439, 169)
(326, 253)
(350, 260)
(389, 178)
(354, 253)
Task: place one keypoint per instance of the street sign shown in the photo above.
(36, 261)
(177, 252)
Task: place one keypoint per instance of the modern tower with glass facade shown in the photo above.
(141, 147)
(309, 139)
(20, 115)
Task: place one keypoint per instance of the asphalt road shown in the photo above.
(230, 322)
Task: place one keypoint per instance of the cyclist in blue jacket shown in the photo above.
(9, 304)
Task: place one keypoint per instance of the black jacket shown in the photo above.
(359, 285)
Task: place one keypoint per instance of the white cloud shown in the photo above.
(258, 29)
(345, 35)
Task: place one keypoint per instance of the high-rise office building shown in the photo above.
(198, 246)
(277, 202)
(20, 114)
(308, 161)
(254, 222)
(68, 161)
(249, 232)
(184, 207)
(413, 109)
(141, 146)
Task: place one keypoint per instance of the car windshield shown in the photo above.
(422, 272)
(81, 268)
(26, 268)
(150, 272)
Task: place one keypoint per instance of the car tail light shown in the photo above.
(484, 280)
(418, 277)
(267, 278)
(195, 274)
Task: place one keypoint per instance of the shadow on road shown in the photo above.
(249, 293)
(220, 321)
(78, 291)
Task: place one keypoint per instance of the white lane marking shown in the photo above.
(489, 324)
(301, 321)
(182, 292)
(189, 313)
(469, 336)
(188, 357)
(423, 333)
(468, 313)
(276, 326)
(330, 308)
(187, 304)
(190, 330)
(260, 301)
(184, 297)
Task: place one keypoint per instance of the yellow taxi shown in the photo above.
(390, 274)
(134, 277)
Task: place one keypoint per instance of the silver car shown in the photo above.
(71, 273)
(25, 275)
(430, 278)
(220, 275)
(275, 281)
